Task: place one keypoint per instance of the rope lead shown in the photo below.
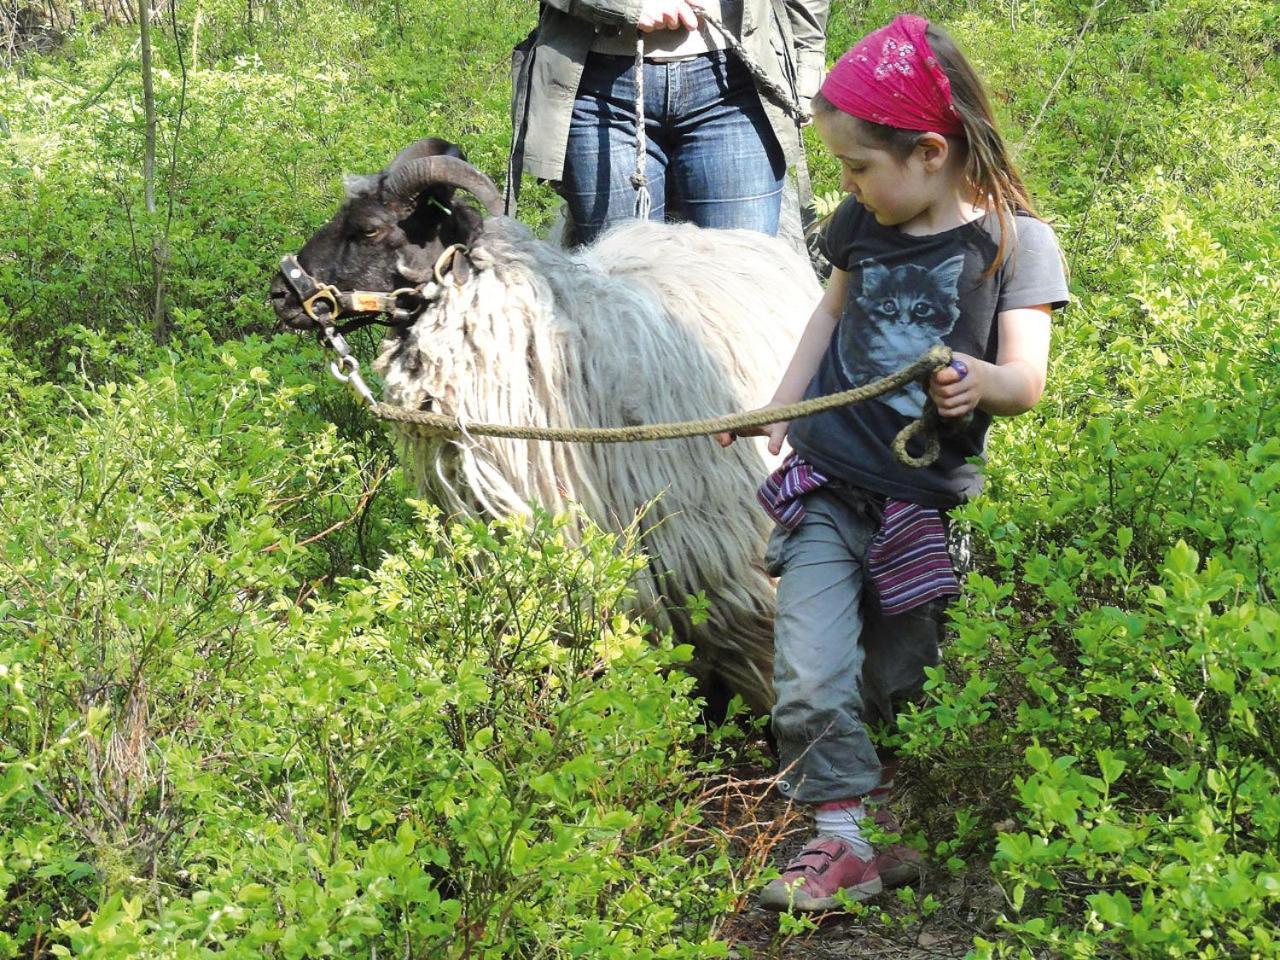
(935, 358)
(639, 179)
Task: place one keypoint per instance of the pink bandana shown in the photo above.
(892, 77)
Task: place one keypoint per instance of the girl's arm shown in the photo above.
(1008, 387)
(804, 362)
(813, 342)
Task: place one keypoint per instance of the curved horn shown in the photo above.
(426, 147)
(405, 180)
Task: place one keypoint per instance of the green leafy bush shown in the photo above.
(1103, 729)
(260, 115)
(468, 752)
(251, 702)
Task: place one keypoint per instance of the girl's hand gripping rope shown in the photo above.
(953, 390)
(776, 432)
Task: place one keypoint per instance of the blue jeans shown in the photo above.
(712, 157)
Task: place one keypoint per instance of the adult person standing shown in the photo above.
(719, 140)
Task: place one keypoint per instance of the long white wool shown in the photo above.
(652, 323)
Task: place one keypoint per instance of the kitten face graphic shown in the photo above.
(912, 296)
(901, 312)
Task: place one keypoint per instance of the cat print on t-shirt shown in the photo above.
(902, 311)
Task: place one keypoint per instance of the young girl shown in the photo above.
(938, 242)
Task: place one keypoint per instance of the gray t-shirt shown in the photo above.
(907, 293)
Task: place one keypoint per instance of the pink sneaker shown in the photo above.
(825, 867)
(897, 863)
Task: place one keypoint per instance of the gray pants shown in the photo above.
(839, 663)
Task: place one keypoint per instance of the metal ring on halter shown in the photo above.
(327, 297)
(449, 252)
(347, 362)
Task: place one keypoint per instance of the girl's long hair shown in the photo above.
(989, 167)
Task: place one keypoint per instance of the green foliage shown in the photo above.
(468, 752)
(1110, 697)
(253, 703)
(268, 113)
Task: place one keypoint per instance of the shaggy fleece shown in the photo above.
(652, 323)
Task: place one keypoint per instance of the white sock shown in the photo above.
(843, 823)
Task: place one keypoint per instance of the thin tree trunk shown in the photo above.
(159, 248)
(195, 35)
(148, 107)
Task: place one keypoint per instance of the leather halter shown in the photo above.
(324, 303)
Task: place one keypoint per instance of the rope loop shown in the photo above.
(927, 426)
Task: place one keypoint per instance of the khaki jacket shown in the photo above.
(785, 38)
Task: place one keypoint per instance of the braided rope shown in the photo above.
(936, 357)
(639, 179)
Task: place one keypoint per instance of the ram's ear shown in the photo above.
(468, 222)
(420, 264)
(361, 185)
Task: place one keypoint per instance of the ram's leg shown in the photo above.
(741, 642)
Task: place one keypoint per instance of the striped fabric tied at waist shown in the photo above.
(907, 561)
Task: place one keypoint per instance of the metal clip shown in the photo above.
(351, 376)
(346, 369)
(335, 341)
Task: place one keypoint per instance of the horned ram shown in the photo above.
(651, 323)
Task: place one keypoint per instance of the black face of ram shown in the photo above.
(359, 249)
(387, 235)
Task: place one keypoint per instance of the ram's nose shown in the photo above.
(287, 306)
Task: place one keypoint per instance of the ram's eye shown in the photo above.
(371, 232)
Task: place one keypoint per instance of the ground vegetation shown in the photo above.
(256, 701)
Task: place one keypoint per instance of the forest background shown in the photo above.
(255, 701)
